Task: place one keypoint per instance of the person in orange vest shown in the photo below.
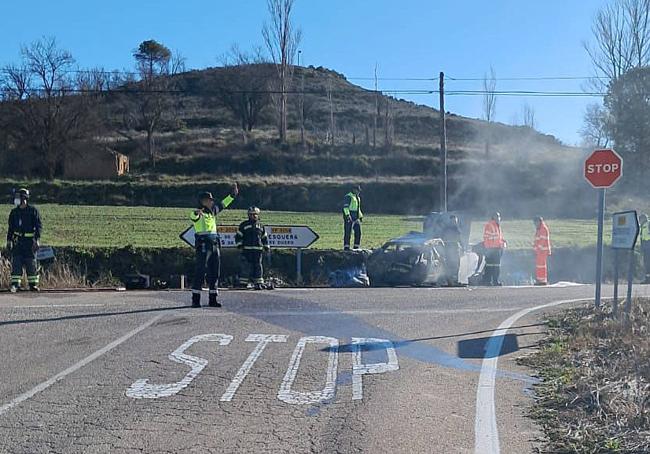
(542, 248)
(494, 245)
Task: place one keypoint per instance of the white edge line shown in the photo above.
(75, 367)
(486, 432)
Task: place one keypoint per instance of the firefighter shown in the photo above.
(252, 240)
(542, 248)
(207, 245)
(352, 218)
(494, 245)
(644, 238)
(23, 241)
(451, 235)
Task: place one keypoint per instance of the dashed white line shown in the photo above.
(486, 433)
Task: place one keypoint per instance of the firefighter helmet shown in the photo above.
(254, 210)
(205, 195)
(23, 193)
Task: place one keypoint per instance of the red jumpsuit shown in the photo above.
(542, 248)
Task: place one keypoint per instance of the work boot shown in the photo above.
(213, 300)
(196, 300)
(259, 287)
(541, 283)
(13, 288)
(34, 288)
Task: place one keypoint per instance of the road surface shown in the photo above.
(331, 371)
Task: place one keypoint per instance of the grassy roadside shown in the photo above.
(595, 393)
(117, 226)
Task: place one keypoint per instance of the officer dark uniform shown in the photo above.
(23, 240)
(452, 237)
(352, 218)
(252, 239)
(207, 245)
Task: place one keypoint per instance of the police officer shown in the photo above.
(207, 245)
(352, 218)
(23, 241)
(451, 235)
(644, 239)
(252, 240)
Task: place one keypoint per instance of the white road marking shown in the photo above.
(286, 394)
(210, 313)
(263, 340)
(486, 433)
(75, 367)
(359, 369)
(141, 389)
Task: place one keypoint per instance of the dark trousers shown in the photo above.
(348, 227)
(645, 248)
(24, 257)
(452, 260)
(492, 266)
(208, 264)
(251, 267)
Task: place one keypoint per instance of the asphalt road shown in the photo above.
(376, 370)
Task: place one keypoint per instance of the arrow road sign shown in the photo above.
(280, 236)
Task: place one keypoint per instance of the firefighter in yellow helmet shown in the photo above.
(252, 240)
(23, 241)
(207, 245)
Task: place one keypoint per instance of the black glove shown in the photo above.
(10, 245)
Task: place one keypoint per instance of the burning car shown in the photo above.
(420, 258)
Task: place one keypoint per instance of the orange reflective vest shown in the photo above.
(542, 243)
(492, 236)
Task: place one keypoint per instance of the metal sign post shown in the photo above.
(625, 232)
(599, 245)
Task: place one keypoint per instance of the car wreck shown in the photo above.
(424, 259)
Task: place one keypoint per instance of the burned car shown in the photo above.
(423, 258)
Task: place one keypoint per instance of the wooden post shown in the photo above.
(443, 146)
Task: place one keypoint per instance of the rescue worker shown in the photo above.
(252, 240)
(494, 245)
(451, 235)
(207, 245)
(23, 241)
(352, 218)
(542, 248)
(644, 240)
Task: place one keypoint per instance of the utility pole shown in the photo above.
(443, 146)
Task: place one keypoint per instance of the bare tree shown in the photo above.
(244, 85)
(389, 123)
(148, 104)
(376, 113)
(282, 41)
(331, 132)
(528, 116)
(49, 111)
(489, 105)
(596, 129)
(621, 39)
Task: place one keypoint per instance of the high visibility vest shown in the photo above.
(644, 235)
(206, 223)
(492, 236)
(352, 204)
(542, 244)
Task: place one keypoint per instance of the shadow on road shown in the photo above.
(87, 316)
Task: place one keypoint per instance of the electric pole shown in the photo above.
(443, 146)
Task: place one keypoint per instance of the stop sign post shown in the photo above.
(603, 168)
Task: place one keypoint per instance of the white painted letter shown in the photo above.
(286, 394)
(359, 369)
(141, 389)
(262, 340)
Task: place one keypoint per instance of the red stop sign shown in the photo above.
(603, 168)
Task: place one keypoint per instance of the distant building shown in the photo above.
(96, 164)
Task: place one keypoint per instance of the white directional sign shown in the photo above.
(625, 230)
(280, 236)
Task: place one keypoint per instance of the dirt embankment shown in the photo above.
(595, 393)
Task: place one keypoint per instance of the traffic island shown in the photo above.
(594, 396)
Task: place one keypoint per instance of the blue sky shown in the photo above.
(406, 38)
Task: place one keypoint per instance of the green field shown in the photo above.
(110, 226)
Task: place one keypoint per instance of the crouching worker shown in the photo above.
(252, 240)
(207, 245)
(23, 241)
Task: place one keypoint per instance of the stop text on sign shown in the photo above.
(142, 389)
(603, 168)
